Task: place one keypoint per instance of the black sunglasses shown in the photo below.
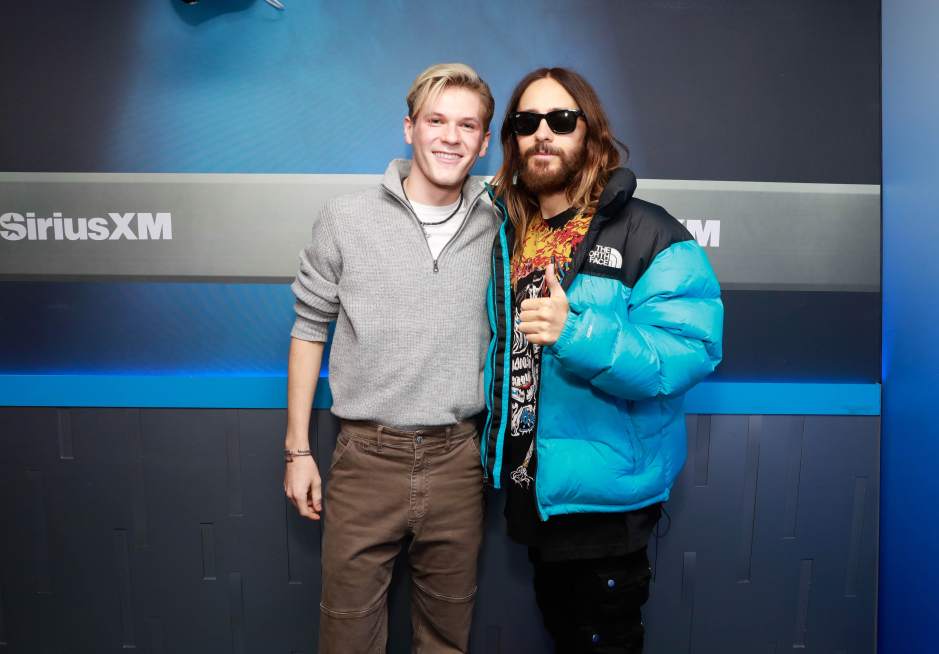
(561, 121)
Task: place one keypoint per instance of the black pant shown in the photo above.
(593, 605)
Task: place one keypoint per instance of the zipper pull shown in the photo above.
(436, 269)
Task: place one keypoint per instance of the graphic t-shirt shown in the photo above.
(555, 239)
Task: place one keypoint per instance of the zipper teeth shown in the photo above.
(492, 378)
(507, 344)
(494, 357)
(410, 209)
(469, 210)
(417, 220)
(534, 437)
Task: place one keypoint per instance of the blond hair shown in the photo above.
(428, 86)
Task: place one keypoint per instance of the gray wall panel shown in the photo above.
(167, 530)
(758, 235)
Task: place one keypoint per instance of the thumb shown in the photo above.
(554, 286)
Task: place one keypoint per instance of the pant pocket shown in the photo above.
(343, 443)
(474, 443)
(621, 588)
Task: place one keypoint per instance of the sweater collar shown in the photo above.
(399, 169)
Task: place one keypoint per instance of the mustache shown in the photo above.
(542, 148)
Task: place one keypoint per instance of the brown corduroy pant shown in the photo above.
(383, 486)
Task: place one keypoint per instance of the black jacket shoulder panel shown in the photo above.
(631, 238)
(651, 230)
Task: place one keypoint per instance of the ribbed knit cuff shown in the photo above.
(308, 330)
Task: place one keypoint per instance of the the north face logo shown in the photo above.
(602, 255)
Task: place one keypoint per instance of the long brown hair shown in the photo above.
(601, 156)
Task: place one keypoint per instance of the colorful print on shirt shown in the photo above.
(542, 242)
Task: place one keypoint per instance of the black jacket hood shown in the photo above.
(617, 192)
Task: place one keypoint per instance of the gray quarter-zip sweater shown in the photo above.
(411, 332)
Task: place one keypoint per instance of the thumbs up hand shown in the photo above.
(542, 319)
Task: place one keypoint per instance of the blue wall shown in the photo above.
(698, 90)
(909, 592)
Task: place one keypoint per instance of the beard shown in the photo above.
(540, 179)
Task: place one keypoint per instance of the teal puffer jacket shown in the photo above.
(644, 326)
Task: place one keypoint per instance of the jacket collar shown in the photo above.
(617, 192)
(399, 169)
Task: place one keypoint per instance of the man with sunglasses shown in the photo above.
(402, 270)
(606, 312)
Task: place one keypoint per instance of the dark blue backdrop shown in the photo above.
(756, 91)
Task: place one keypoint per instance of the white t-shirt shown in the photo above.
(439, 235)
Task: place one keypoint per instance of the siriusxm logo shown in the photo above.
(706, 232)
(116, 226)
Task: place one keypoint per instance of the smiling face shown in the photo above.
(549, 160)
(447, 136)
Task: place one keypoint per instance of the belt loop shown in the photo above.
(449, 431)
(380, 428)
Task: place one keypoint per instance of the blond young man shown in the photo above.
(402, 270)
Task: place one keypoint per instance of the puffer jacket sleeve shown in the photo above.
(316, 287)
(667, 339)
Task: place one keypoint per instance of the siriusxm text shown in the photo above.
(113, 227)
(706, 232)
